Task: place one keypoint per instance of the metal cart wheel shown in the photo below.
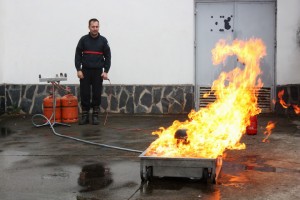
(205, 175)
(142, 175)
(147, 174)
(213, 179)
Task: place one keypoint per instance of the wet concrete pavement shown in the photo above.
(36, 164)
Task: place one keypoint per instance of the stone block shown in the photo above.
(130, 106)
(146, 100)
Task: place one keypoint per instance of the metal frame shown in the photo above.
(206, 169)
(54, 81)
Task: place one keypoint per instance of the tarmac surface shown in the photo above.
(36, 164)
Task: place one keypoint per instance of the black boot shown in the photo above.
(84, 118)
(95, 116)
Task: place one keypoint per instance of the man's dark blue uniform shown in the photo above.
(92, 59)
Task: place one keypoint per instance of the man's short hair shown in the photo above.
(93, 20)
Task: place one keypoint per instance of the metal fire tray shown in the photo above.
(206, 169)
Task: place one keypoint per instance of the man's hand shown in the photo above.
(104, 76)
(80, 74)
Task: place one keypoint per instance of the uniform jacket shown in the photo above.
(92, 53)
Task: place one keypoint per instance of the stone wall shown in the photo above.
(127, 99)
(2, 99)
(131, 99)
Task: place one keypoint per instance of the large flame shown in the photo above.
(220, 125)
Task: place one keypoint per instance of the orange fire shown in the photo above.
(206, 95)
(269, 127)
(220, 125)
(281, 101)
(296, 109)
(285, 105)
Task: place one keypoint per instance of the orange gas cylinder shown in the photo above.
(252, 128)
(69, 108)
(48, 108)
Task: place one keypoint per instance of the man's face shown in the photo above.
(94, 28)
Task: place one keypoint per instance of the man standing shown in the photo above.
(92, 62)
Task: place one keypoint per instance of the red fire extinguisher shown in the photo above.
(252, 128)
(69, 108)
(48, 108)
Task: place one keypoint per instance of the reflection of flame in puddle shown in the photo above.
(212, 194)
(237, 181)
(240, 179)
(234, 174)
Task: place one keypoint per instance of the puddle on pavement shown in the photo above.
(90, 133)
(56, 175)
(4, 132)
(252, 162)
(94, 177)
(10, 157)
(267, 168)
(232, 172)
(119, 176)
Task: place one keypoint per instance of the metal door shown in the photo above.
(231, 20)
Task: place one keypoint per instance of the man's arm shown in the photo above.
(78, 55)
(107, 57)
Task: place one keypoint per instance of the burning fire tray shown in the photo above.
(206, 169)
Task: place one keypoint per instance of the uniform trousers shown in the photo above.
(91, 86)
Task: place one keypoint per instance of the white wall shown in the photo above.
(288, 51)
(151, 40)
(2, 47)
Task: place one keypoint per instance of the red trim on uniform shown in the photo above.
(93, 52)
